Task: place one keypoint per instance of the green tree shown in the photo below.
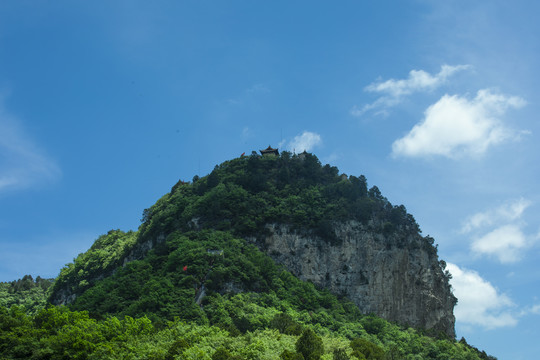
(285, 324)
(177, 348)
(364, 349)
(310, 345)
(373, 325)
(340, 354)
(221, 354)
(291, 355)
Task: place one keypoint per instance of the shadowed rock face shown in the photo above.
(396, 276)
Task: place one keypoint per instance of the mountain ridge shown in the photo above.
(239, 264)
(249, 196)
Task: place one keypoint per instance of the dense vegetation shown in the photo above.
(242, 196)
(57, 333)
(276, 315)
(26, 292)
(245, 194)
(105, 255)
(205, 292)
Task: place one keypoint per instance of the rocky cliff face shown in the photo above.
(396, 276)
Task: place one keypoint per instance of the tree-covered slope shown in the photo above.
(252, 309)
(57, 333)
(245, 194)
(28, 293)
(192, 283)
(242, 196)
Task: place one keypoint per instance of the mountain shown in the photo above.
(267, 257)
(325, 227)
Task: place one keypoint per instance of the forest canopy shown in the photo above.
(190, 284)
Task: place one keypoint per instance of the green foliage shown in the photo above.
(31, 295)
(284, 323)
(310, 345)
(340, 354)
(103, 257)
(224, 354)
(373, 324)
(204, 291)
(227, 282)
(221, 354)
(177, 348)
(238, 197)
(58, 333)
(364, 349)
(291, 355)
(245, 194)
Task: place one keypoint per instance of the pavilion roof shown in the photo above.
(269, 150)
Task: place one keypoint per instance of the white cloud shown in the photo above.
(479, 302)
(508, 212)
(305, 141)
(382, 102)
(395, 90)
(418, 80)
(498, 232)
(22, 164)
(456, 126)
(505, 243)
(534, 310)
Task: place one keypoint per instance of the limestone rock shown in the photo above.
(396, 276)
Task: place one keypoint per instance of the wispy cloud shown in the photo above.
(534, 310)
(22, 163)
(455, 126)
(506, 243)
(395, 90)
(306, 141)
(507, 212)
(498, 232)
(418, 80)
(479, 302)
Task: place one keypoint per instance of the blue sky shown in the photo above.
(105, 105)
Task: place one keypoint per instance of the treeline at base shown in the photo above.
(58, 333)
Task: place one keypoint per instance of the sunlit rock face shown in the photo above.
(397, 276)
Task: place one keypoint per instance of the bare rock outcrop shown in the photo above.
(396, 276)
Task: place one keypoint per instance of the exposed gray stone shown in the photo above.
(395, 276)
